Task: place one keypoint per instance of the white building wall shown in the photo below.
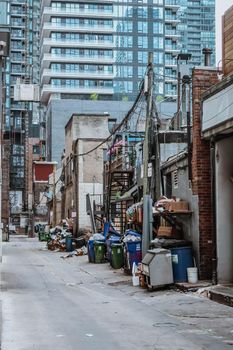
(84, 189)
(224, 209)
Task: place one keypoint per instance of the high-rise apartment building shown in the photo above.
(20, 116)
(20, 70)
(102, 47)
(197, 28)
(142, 27)
(77, 49)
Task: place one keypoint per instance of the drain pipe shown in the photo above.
(213, 205)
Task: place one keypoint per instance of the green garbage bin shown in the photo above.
(43, 236)
(99, 248)
(117, 253)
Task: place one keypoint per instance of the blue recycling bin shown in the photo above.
(182, 258)
(69, 243)
(134, 251)
(91, 252)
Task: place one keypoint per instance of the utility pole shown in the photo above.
(150, 82)
(186, 85)
(54, 197)
(147, 202)
(1, 157)
(157, 170)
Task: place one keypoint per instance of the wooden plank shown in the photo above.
(227, 41)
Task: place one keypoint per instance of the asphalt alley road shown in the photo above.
(49, 303)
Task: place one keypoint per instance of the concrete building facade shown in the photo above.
(83, 171)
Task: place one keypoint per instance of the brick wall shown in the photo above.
(31, 157)
(201, 181)
(5, 181)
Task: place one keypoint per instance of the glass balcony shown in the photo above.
(17, 11)
(170, 62)
(171, 18)
(84, 28)
(83, 25)
(171, 47)
(78, 10)
(170, 92)
(17, 36)
(170, 2)
(77, 42)
(17, 2)
(98, 59)
(49, 90)
(174, 34)
(47, 74)
(82, 83)
(172, 5)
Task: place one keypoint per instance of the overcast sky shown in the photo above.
(221, 7)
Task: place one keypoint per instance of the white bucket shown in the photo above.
(192, 274)
(135, 280)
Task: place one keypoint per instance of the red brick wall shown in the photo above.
(201, 176)
(5, 180)
(30, 159)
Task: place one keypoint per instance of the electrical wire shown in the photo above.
(125, 120)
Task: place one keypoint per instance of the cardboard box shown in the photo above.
(165, 231)
(178, 206)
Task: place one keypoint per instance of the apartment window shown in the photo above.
(158, 12)
(142, 27)
(159, 88)
(142, 42)
(36, 149)
(158, 27)
(20, 173)
(142, 57)
(142, 12)
(126, 71)
(17, 161)
(158, 42)
(159, 71)
(158, 57)
(126, 41)
(126, 86)
(141, 72)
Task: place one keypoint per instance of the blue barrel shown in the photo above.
(133, 254)
(69, 245)
(112, 239)
(182, 258)
(91, 252)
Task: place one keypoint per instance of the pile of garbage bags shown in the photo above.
(60, 238)
(57, 239)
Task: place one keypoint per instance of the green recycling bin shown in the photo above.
(43, 236)
(99, 248)
(117, 253)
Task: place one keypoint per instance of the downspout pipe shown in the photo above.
(213, 205)
(76, 179)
